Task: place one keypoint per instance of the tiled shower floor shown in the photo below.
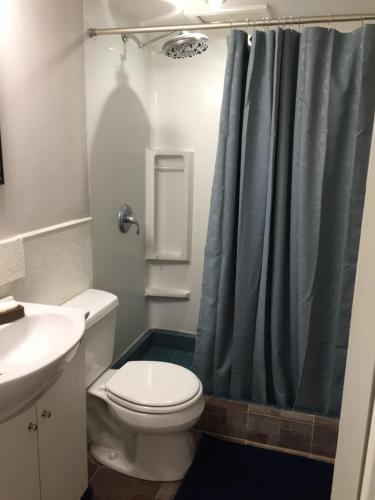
(169, 355)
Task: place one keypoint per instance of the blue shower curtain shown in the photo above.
(285, 216)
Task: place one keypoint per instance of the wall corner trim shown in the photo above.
(55, 228)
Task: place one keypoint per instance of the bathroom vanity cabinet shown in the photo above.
(43, 451)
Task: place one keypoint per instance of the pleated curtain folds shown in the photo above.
(285, 217)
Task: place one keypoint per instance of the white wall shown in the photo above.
(42, 114)
(118, 133)
(58, 264)
(185, 108)
(42, 119)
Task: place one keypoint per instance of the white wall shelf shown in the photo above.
(168, 204)
(172, 293)
(166, 256)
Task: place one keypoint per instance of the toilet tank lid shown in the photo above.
(96, 303)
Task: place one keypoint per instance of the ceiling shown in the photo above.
(172, 11)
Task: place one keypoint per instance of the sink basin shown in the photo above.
(34, 351)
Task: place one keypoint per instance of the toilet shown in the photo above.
(139, 416)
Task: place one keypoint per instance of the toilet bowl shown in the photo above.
(140, 415)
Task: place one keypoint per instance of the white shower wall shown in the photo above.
(117, 96)
(185, 101)
(139, 99)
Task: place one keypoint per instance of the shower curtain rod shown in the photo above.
(265, 22)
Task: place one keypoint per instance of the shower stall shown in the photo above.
(139, 100)
(143, 100)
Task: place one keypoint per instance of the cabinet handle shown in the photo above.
(46, 414)
(32, 427)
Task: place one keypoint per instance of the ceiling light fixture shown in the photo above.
(214, 4)
(179, 4)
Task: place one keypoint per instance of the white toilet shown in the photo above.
(138, 416)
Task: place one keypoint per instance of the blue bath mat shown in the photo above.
(229, 471)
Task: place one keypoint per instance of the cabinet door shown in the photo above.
(62, 435)
(19, 467)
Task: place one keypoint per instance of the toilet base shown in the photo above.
(154, 457)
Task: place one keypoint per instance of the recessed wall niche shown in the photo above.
(168, 205)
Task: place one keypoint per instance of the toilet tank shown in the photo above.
(100, 309)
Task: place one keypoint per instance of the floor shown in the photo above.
(107, 484)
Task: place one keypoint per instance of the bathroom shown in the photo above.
(97, 127)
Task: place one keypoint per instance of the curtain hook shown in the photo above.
(329, 21)
(291, 22)
(253, 32)
(299, 24)
(248, 31)
(362, 23)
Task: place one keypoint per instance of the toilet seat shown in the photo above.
(154, 409)
(153, 387)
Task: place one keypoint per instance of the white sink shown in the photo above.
(34, 351)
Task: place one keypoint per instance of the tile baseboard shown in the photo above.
(286, 431)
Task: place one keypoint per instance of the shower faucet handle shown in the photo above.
(126, 219)
(132, 220)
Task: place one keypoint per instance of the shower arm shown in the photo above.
(125, 37)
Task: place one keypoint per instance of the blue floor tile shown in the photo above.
(178, 357)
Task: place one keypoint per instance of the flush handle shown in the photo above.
(126, 219)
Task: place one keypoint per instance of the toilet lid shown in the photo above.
(153, 383)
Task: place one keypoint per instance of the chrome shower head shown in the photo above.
(185, 45)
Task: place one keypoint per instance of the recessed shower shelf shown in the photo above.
(169, 204)
(171, 293)
(166, 256)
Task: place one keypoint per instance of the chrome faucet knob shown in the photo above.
(132, 220)
(126, 219)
